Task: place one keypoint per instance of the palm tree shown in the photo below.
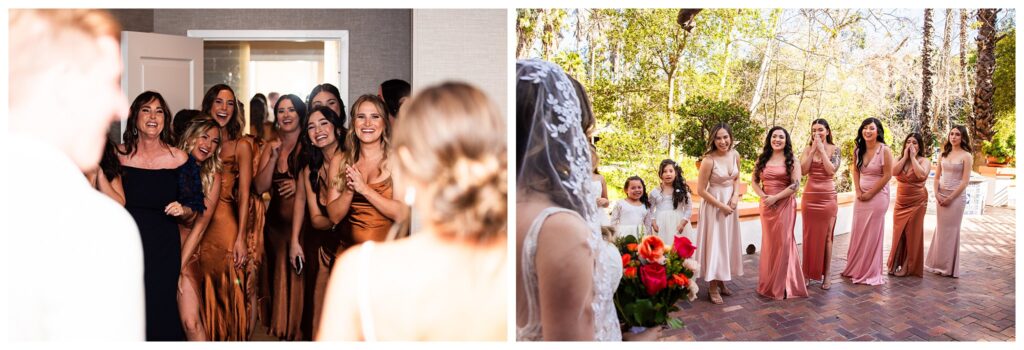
(983, 118)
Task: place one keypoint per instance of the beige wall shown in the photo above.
(466, 45)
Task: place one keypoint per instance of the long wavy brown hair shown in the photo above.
(353, 146)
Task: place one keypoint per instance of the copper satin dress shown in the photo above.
(283, 288)
(864, 259)
(907, 250)
(229, 294)
(819, 208)
(365, 221)
(779, 274)
(321, 247)
(944, 251)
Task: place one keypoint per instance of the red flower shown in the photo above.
(631, 247)
(652, 249)
(629, 272)
(625, 259)
(653, 277)
(680, 280)
(683, 247)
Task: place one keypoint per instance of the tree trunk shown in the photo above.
(725, 64)
(984, 118)
(762, 74)
(963, 54)
(524, 38)
(926, 82)
(942, 110)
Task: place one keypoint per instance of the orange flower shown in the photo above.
(629, 272)
(631, 247)
(625, 259)
(652, 249)
(680, 279)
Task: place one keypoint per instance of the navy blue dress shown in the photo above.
(147, 192)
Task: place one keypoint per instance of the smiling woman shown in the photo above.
(231, 249)
(362, 194)
(160, 188)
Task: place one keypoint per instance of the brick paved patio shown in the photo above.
(980, 305)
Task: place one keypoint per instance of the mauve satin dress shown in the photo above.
(864, 259)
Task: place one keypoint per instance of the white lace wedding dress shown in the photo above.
(607, 273)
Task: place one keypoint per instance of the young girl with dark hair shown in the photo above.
(632, 215)
(670, 204)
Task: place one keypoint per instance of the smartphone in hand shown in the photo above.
(298, 265)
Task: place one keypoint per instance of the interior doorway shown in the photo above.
(282, 61)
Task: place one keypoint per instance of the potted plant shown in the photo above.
(999, 151)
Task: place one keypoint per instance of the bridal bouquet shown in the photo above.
(654, 278)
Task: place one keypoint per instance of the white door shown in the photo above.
(169, 64)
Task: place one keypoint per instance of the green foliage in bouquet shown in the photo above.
(655, 276)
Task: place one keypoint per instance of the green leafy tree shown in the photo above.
(700, 114)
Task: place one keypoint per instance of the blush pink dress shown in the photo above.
(779, 274)
(944, 251)
(719, 244)
(864, 259)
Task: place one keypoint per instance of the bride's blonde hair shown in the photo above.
(450, 139)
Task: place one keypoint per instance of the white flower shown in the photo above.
(692, 289)
(691, 264)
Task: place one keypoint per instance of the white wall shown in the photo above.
(465, 45)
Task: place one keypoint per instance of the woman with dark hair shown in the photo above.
(394, 92)
(280, 164)
(906, 255)
(362, 197)
(952, 177)
(670, 204)
(107, 177)
(718, 226)
(323, 135)
(181, 120)
(328, 95)
(160, 188)
(871, 181)
(201, 141)
(776, 178)
(227, 252)
(258, 117)
(819, 160)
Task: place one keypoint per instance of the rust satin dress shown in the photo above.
(322, 247)
(283, 288)
(229, 294)
(908, 223)
(364, 220)
(819, 215)
(779, 274)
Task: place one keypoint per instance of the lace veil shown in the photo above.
(553, 149)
